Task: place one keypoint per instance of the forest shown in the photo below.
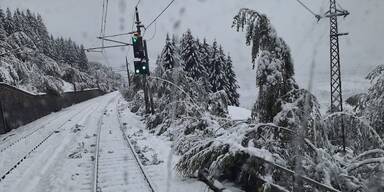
(287, 144)
(34, 60)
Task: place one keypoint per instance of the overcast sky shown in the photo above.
(309, 40)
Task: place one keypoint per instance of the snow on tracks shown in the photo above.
(43, 150)
(11, 166)
(117, 167)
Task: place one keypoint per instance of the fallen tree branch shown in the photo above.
(213, 184)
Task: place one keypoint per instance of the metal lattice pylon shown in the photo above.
(336, 91)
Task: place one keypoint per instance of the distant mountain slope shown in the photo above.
(33, 60)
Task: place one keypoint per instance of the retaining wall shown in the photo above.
(18, 107)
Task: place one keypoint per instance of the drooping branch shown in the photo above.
(262, 36)
(266, 46)
(254, 23)
(354, 166)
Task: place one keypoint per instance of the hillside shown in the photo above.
(33, 60)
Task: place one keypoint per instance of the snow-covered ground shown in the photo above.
(68, 87)
(57, 152)
(156, 156)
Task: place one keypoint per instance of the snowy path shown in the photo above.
(57, 153)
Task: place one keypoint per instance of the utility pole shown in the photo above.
(129, 77)
(335, 72)
(142, 53)
(152, 108)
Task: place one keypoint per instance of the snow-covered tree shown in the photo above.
(271, 55)
(44, 42)
(3, 33)
(39, 62)
(82, 59)
(169, 59)
(2, 16)
(216, 69)
(169, 56)
(205, 54)
(232, 86)
(18, 21)
(374, 102)
(190, 55)
(9, 25)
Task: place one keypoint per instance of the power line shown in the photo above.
(116, 35)
(154, 34)
(104, 20)
(170, 3)
(317, 16)
(138, 2)
(106, 14)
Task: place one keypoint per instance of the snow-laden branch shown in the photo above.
(356, 165)
(180, 89)
(367, 153)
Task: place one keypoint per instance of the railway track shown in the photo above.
(34, 130)
(33, 146)
(117, 166)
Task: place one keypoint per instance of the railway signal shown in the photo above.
(140, 53)
(141, 68)
(137, 43)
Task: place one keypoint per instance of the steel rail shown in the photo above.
(4, 175)
(126, 138)
(96, 164)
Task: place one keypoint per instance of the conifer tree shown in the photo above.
(82, 59)
(216, 73)
(3, 34)
(59, 44)
(44, 43)
(2, 17)
(190, 57)
(374, 109)
(232, 86)
(18, 21)
(274, 74)
(169, 56)
(31, 28)
(205, 54)
(8, 23)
